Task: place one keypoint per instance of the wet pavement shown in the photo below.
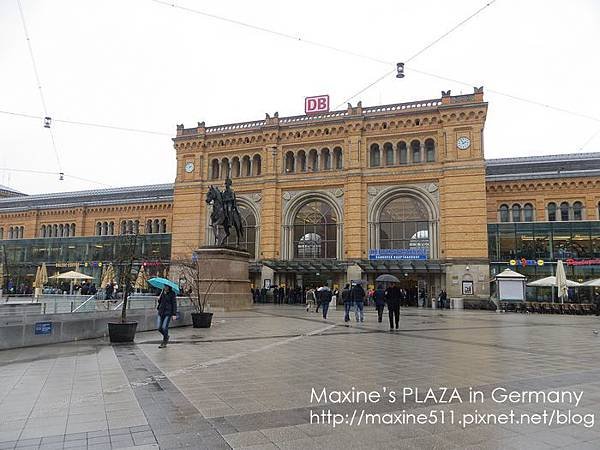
(279, 377)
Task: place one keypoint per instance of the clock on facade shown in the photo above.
(463, 143)
(189, 167)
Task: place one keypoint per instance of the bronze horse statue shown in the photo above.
(223, 217)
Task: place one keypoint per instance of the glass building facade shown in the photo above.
(541, 245)
(88, 254)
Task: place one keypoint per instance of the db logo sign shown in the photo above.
(316, 104)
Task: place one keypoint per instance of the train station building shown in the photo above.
(338, 196)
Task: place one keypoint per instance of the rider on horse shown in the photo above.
(229, 203)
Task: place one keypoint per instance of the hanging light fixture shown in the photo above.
(61, 176)
(47, 122)
(400, 70)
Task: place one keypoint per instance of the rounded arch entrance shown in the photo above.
(405, 217)
(312, 228)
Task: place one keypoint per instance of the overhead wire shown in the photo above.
(297, 39)
(378, 60)
(421, 51)
(88, 124)
(43, 172)
(39, 83)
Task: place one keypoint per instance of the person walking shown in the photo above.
(443, 300)
(347, 301)
(310, 299)
(379, 298)
(167, 309)
(357, 294)
(318, 298)
(325, 298)
(392, 298)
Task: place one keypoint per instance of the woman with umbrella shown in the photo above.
(167, 306)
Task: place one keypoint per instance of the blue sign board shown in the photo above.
(398, 253)
(43, 328)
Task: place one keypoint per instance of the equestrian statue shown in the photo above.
(225, 214)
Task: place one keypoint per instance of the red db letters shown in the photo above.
(316, 104)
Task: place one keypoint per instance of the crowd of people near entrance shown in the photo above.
(354, 299)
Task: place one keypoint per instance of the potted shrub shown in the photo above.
(124, 330)
(197, 284)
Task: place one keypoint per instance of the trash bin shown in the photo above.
(434, 304)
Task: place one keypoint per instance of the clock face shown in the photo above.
(189, 167)
(463, 143)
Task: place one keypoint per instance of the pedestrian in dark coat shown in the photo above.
(167, 309)
(379, 297)
(392, 298)
(347, 301)
(325, 298)
(357, 294)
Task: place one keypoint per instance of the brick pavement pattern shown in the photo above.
(246, 382)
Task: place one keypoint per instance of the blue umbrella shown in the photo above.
(160, 283)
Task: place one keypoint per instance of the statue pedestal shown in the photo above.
(225, 278)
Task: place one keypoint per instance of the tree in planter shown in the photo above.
(198, 284)
(126, 257)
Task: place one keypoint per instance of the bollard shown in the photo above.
(71, 306)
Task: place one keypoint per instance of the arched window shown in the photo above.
(155, 226)
(43, 231)
(148, 229)
(235, 167)
(302, 161)
(551, 212)
(67, 230)
(404, 224)
(313, 160)
(163, 226)
(388, 151)
(338, 158)
(325, 159)
(528, 212)
(136, 227)
(225, 168)
(430, 150)
(375, 157)
(290, 163)
(55, 230)
(503, 213)
(111, 228)
(402, 152)
(214, 169)
(516, 212)
(248, 241)
(98, 228)
(130, 227)
(246, 166)
(564, 211)
(315, 231)
(10, 233)
(415, 147)
(123, 227)
(72, 229)
(256, 166)
(577, 211)
(1, 233)
(21, 231)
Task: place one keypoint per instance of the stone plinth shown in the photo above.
(225, 278)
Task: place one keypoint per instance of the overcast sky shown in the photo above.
(140, 64)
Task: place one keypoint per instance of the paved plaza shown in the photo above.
(247, 383)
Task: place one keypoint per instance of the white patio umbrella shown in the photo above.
(551, 282)
(561, 281)
(72, 276)
(592, 283)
